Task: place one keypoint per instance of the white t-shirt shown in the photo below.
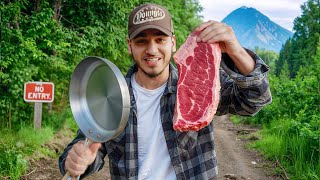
(153, 156)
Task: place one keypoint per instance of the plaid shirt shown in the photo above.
(192, 153)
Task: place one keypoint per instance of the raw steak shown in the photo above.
(198, 91)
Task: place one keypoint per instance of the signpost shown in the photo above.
(38, 92)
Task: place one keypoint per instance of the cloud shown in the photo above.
(282, 12)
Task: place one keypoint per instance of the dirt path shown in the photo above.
(234, 160)
(47, 168)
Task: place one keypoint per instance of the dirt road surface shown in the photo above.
(235, 162)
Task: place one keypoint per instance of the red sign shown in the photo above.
(38, 92)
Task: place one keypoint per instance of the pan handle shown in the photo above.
(67, 176)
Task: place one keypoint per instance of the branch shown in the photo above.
(69, 21)
(283, 170)
(29, 173)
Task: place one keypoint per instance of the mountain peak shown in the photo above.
(253, 28)
(245, 7)
(246, 12)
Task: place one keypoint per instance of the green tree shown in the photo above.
(43, 40)
(270, 57)
(299, 50)
(285, 54)
(185, 15)
(293, 119)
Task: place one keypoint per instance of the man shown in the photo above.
(149, 148)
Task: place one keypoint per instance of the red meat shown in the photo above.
(198, 90)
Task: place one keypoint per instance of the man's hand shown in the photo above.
(80, 157)
(217, 32)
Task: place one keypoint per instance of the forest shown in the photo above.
(45, 40)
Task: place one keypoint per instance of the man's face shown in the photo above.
(151, 50)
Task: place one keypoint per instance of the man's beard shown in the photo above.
(151, 75)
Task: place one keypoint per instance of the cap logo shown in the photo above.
(146, 14)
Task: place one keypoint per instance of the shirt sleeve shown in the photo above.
(94, 167)
(243, 95)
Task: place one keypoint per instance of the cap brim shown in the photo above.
(137, 31)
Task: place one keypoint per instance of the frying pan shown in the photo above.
(99, 99)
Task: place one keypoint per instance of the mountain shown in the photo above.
(252, 29)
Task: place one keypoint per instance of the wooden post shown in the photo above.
(37, 115)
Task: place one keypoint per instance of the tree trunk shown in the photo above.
(36, 5)
(57, 9)
(56, 16)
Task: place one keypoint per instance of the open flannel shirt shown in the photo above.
(192, 153)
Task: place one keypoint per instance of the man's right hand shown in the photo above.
(80, 157)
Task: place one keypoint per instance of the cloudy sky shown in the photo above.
(282, 12)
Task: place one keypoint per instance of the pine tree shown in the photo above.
(298, 51)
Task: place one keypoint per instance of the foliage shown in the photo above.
(297, 153)
(15, 146)
(12, 162)
(185, 16)
(268, 56)
(71, 123)
(44, 40)
(299, 50)
(292, 121)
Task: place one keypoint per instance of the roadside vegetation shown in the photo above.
(44, 40)
(18, 147)
(291, 124)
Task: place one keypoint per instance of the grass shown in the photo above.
(71, 123)
(291, 150)
(236, 119)
(16, 147)
(12, 162)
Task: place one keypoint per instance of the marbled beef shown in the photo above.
(198, 90)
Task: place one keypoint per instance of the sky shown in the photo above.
(282, 12)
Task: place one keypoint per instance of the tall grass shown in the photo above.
(15, 146)
(291, 124)
(295, 152)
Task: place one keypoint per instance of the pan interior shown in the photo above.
(104, 98)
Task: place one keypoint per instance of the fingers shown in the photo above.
(80, 157)
(94, 147)
(204, 25)
(214, 34)
(208, 28)
(217, 32)
(74, 165)
(213, 31)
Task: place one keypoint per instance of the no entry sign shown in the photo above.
(38, 92)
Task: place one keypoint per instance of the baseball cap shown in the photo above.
(149, 16)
